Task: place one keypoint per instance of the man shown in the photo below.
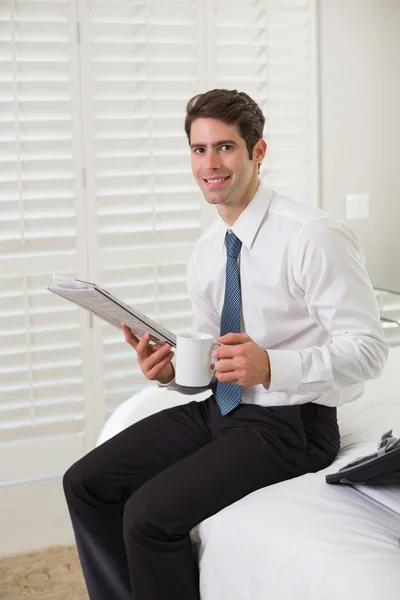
(283, 287)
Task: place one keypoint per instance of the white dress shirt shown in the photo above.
(306, 298)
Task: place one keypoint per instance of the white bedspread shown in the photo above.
(301, 540)
(306, 540)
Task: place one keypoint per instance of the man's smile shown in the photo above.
(215, 182)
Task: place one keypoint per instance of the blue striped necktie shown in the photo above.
(229, 395)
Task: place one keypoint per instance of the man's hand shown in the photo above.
(245, 363)
(154, 359)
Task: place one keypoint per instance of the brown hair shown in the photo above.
(231, 107)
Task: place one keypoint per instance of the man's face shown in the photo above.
(221, 163)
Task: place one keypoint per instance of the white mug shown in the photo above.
(193, 356)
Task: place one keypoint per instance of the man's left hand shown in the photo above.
(244, 363)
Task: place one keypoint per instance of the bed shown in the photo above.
(302, 539)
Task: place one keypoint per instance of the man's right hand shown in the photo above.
(154, 359)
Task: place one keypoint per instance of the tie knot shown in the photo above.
(233, 244)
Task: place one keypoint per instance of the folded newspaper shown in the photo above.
(109, 308)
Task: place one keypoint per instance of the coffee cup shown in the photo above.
(194, 359)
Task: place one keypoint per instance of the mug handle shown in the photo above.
(216, 344)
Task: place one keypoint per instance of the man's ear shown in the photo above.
(259, 151)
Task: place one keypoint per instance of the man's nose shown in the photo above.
(213, 161)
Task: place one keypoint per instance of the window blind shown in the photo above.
(143, 63)
(267, 50)
(41, 368)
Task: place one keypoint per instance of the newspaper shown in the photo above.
(109, 308)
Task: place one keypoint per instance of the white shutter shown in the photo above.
(267, 49)
(142, 63)
(41, 351)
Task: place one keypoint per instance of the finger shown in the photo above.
(154, 346)
(234, 338)
(153, 373)
(227, 352)
(157, 356)
(129, 337)
(230, 376)
(142, 346)
(224, 366)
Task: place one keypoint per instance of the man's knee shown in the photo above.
(77, 476)
(148, 517)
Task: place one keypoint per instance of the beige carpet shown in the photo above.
(50, 574)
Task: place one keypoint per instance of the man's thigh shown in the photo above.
(238, 462)
(126, 461)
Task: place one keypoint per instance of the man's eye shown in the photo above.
(198, 150)
(226, 147)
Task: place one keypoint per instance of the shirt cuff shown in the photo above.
(285, 367)
(165, 384)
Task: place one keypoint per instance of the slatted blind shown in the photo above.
(144, 64)
(41, 372)
(266, 48)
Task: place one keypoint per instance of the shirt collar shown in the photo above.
(248, 223)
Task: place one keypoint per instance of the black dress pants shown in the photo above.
(134, 499)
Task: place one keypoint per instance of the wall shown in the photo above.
(360, 124)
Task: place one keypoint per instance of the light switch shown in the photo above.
(357, 206)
